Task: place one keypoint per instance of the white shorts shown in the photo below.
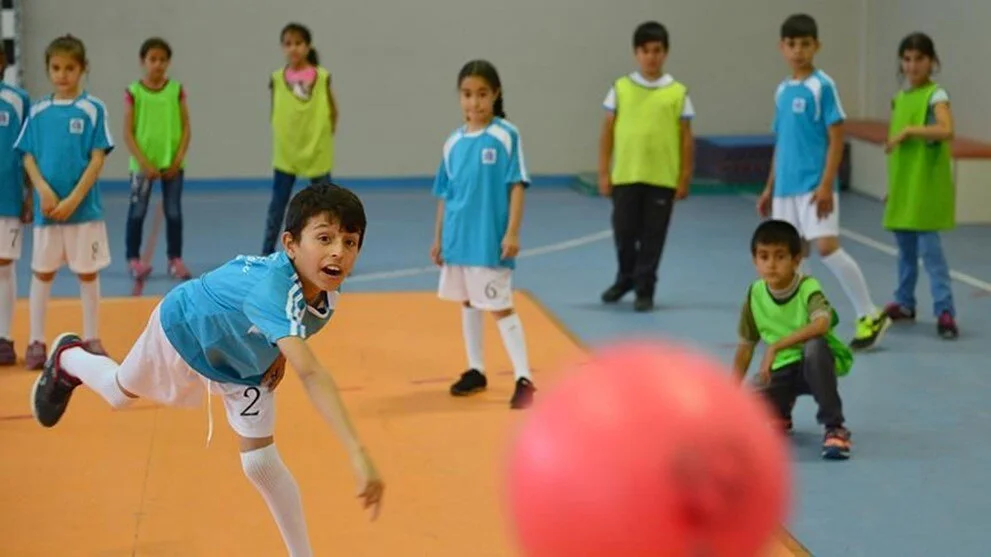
(11, 238)
(801, 213)
(83, 246)
(155, 371)
(485, 288)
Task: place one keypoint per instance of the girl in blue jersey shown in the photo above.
(230, 333)
(15, 206)
(480, 184)
(64, 143)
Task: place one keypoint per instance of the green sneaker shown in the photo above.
(870, 329)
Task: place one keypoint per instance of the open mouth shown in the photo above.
(332, 271)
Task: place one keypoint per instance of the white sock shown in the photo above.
(852, 280)
(8, 298)
(472, 327)
(511, 329)
(99, 373)
(90, 294)
(40, 291)
(265, 469)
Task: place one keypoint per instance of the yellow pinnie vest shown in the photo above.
(647, 133)
(302, 140)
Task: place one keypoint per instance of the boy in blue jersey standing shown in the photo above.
(802, 187)
(15, 205)
(480, 183)
(230, 332)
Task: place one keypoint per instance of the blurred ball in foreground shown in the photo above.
(647, 450)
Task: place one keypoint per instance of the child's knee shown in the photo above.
(826, 246)
(88, 277)
(45, 277)
(248, 444)
(815, 349)
(503, 313)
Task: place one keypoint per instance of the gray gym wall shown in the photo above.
(395, 65)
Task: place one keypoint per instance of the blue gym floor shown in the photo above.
(917, 406)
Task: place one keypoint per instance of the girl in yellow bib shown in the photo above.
(304, 118)
(921, 194)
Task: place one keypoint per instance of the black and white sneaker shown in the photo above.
(523, 394)
(471, 382)
(53, 388)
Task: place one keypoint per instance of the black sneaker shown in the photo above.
(643, 303)
(523, 394)
(615, 293)
(53, 388)
(471, 382)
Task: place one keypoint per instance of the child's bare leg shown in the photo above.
(264, 467)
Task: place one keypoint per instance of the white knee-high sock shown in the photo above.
(8, 297)
(40, 291)
(265, 469)
(852, 280)
(511, 329)
(99, 373)
(89, 292)
(472, 327)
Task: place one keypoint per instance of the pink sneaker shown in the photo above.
(178, 269)
(8, 356)
(36, 356)
(139, 270)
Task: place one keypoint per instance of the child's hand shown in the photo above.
(65, 208)
(822, 198)
(274, 374)
(510, 246)
(764, 371)
(764, 204)
(171, 172)
(605, 186)
(371, 486)
(893, 141)
(435, 254)
(48, 200)
(151, 173)
(682, 191)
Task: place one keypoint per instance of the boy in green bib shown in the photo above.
(156, 130)
(645, 163)
(921, 199)
(790, 313)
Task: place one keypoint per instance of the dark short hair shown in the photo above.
(325, 198)
(800, 26)
(776, 233)
(650, 32)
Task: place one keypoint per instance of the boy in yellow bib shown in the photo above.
(645, 163)
(304, 118)
(790, 313)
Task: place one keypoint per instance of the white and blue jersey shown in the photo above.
(61, 136)
(476, 175)
(804, 110)
(225, 324)
(14, 106)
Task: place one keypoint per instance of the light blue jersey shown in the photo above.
(225, 323)
(475, 177)
(61, 135)
(804, 111)
(14, 107)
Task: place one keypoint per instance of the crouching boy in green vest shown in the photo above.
(645, 163)
(790, 313)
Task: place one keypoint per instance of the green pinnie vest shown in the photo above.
(776, 320)
(921, 192)
(157, 123)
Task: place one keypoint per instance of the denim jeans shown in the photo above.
(281, 192)
(911, 246)
(138, 209)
